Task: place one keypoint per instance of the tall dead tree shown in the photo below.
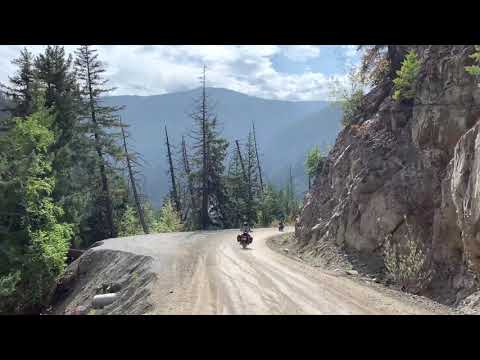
(204, 123)
(247, 184)
(131, 175)
(291, 182)
(174, 192)
(291, 193)
(186, 169)
(258, 159)
(241, 161)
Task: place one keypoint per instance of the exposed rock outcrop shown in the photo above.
(420, 160)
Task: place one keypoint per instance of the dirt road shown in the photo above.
(209, 273)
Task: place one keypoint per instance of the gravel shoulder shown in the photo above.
(335, 262)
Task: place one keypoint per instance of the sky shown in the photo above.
(282, 72)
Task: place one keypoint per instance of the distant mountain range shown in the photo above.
(285, 130)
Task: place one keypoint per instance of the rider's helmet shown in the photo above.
(245, 223)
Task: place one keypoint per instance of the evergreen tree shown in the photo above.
(73, 161)
(53, 69)
(243, 186)
(101, 122)
(270, 206)
(21, 88)
(33, 240)
(168, 219)
(235, 190)
(209, 153)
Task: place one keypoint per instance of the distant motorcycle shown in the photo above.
(244, 239)
(281, 226)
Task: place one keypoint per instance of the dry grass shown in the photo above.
(409, 265)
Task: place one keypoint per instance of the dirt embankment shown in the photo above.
(100, 271)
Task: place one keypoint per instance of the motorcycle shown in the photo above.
(244, 239)
(281, 226)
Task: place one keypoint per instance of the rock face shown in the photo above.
(418, 160)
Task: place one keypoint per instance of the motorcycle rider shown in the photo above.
(246, 228)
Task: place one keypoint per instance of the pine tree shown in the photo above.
(270, 206)
(33, 240)
(168, 219)
(245, 182)
(54, 78)
(235, 190)
(53, 69)
(101, 122)
(209, 153)
(21, 87)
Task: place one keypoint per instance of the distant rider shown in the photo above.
(246, 228)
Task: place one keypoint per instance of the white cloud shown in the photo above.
(301, 53)
(350, 50)
(147, 70)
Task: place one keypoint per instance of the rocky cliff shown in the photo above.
(416, 162)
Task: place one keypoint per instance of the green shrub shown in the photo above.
(168, 221)
(313, 161)
(129, 223)
(349, 96)
(474, 69)
(404, 88)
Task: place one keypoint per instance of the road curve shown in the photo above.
(209, 273)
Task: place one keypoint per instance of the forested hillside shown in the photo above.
(285, 131)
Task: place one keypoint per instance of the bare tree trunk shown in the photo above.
(172, 174)
(204, 216)
(396, 54)
(186, 167)
(292, 193)
(258, 159)
(105, 188)
(247, 181)
(134, 186)
(241, 161)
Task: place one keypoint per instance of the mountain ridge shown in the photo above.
(147, 115)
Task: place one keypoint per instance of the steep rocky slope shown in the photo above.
(418, 160)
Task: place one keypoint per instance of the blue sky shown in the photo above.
(329, 61)
(286, 72)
